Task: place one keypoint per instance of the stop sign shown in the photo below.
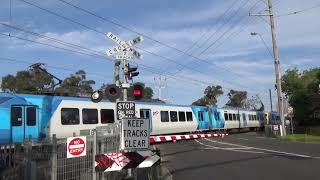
(76, 146)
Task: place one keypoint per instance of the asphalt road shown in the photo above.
(241, 157)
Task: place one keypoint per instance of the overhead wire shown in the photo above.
(298, 12)
(85, 26)
(150, 38)
(220, 27)
(240, 20)
(64, 18)
(225, 33)
(93, 54)
(194, 44)
(12, 60)
(228, 30)
(145, 67)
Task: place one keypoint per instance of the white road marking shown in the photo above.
(261, 149)
(229, 149)
(243, 139)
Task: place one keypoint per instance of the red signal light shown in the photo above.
(137, 92)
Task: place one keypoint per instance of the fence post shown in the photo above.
(27, 158)
(31, 164)
(94, 152)
(54, 158)
(101, 151)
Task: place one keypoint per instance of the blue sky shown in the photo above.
(234, 59)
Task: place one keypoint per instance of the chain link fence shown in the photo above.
(48, 160)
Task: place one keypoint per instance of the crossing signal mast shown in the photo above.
(124, 51)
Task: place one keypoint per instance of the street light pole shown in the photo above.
(276, 64)
(277, 67)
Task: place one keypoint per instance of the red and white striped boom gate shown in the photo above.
(157, 139)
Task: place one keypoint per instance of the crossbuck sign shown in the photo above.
(124, 49)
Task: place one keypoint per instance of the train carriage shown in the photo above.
(38, 116)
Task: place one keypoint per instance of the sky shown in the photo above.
(189, 44)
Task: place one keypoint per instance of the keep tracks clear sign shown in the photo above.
(135, 134)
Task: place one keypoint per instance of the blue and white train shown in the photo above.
(40, 116)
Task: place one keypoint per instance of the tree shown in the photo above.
(75, 85)
(211, 93)
(302, 90)
(254, 103)
(199, 102)
(237, 98)
(30, 81)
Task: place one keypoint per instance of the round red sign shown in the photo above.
(76, 146)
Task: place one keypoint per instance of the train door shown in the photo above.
(24, 122)
(146, 113)
(244, 120)
(201, 122)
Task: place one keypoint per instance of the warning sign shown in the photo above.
(125, 109)
(76, 146)
(135, 134)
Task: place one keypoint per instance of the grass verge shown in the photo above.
(301, 138)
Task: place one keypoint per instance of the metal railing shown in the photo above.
(47, 160)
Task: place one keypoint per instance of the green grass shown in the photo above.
(301, 138)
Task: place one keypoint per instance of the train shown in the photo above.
(40, 116)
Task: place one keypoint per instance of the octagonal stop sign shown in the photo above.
(76, 146)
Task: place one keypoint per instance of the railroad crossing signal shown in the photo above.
(132, 72)
(124, 46)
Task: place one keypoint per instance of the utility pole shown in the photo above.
(277, 67)
(270, 100)
(160, 85)
(116, 79)
(125, 84)
(276, 64)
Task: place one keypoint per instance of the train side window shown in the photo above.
(31, 116)
(238, 117)
(189, 116)
(144, 113)
(234, 117)
(89, 116)
(226, 117)
(69, 116)
(255, 117)
(200, 115)
(16, 116)
(217, 116)
(230, 116)
(182, 116)
(107, 116)
(164, 116)
(173, 116)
